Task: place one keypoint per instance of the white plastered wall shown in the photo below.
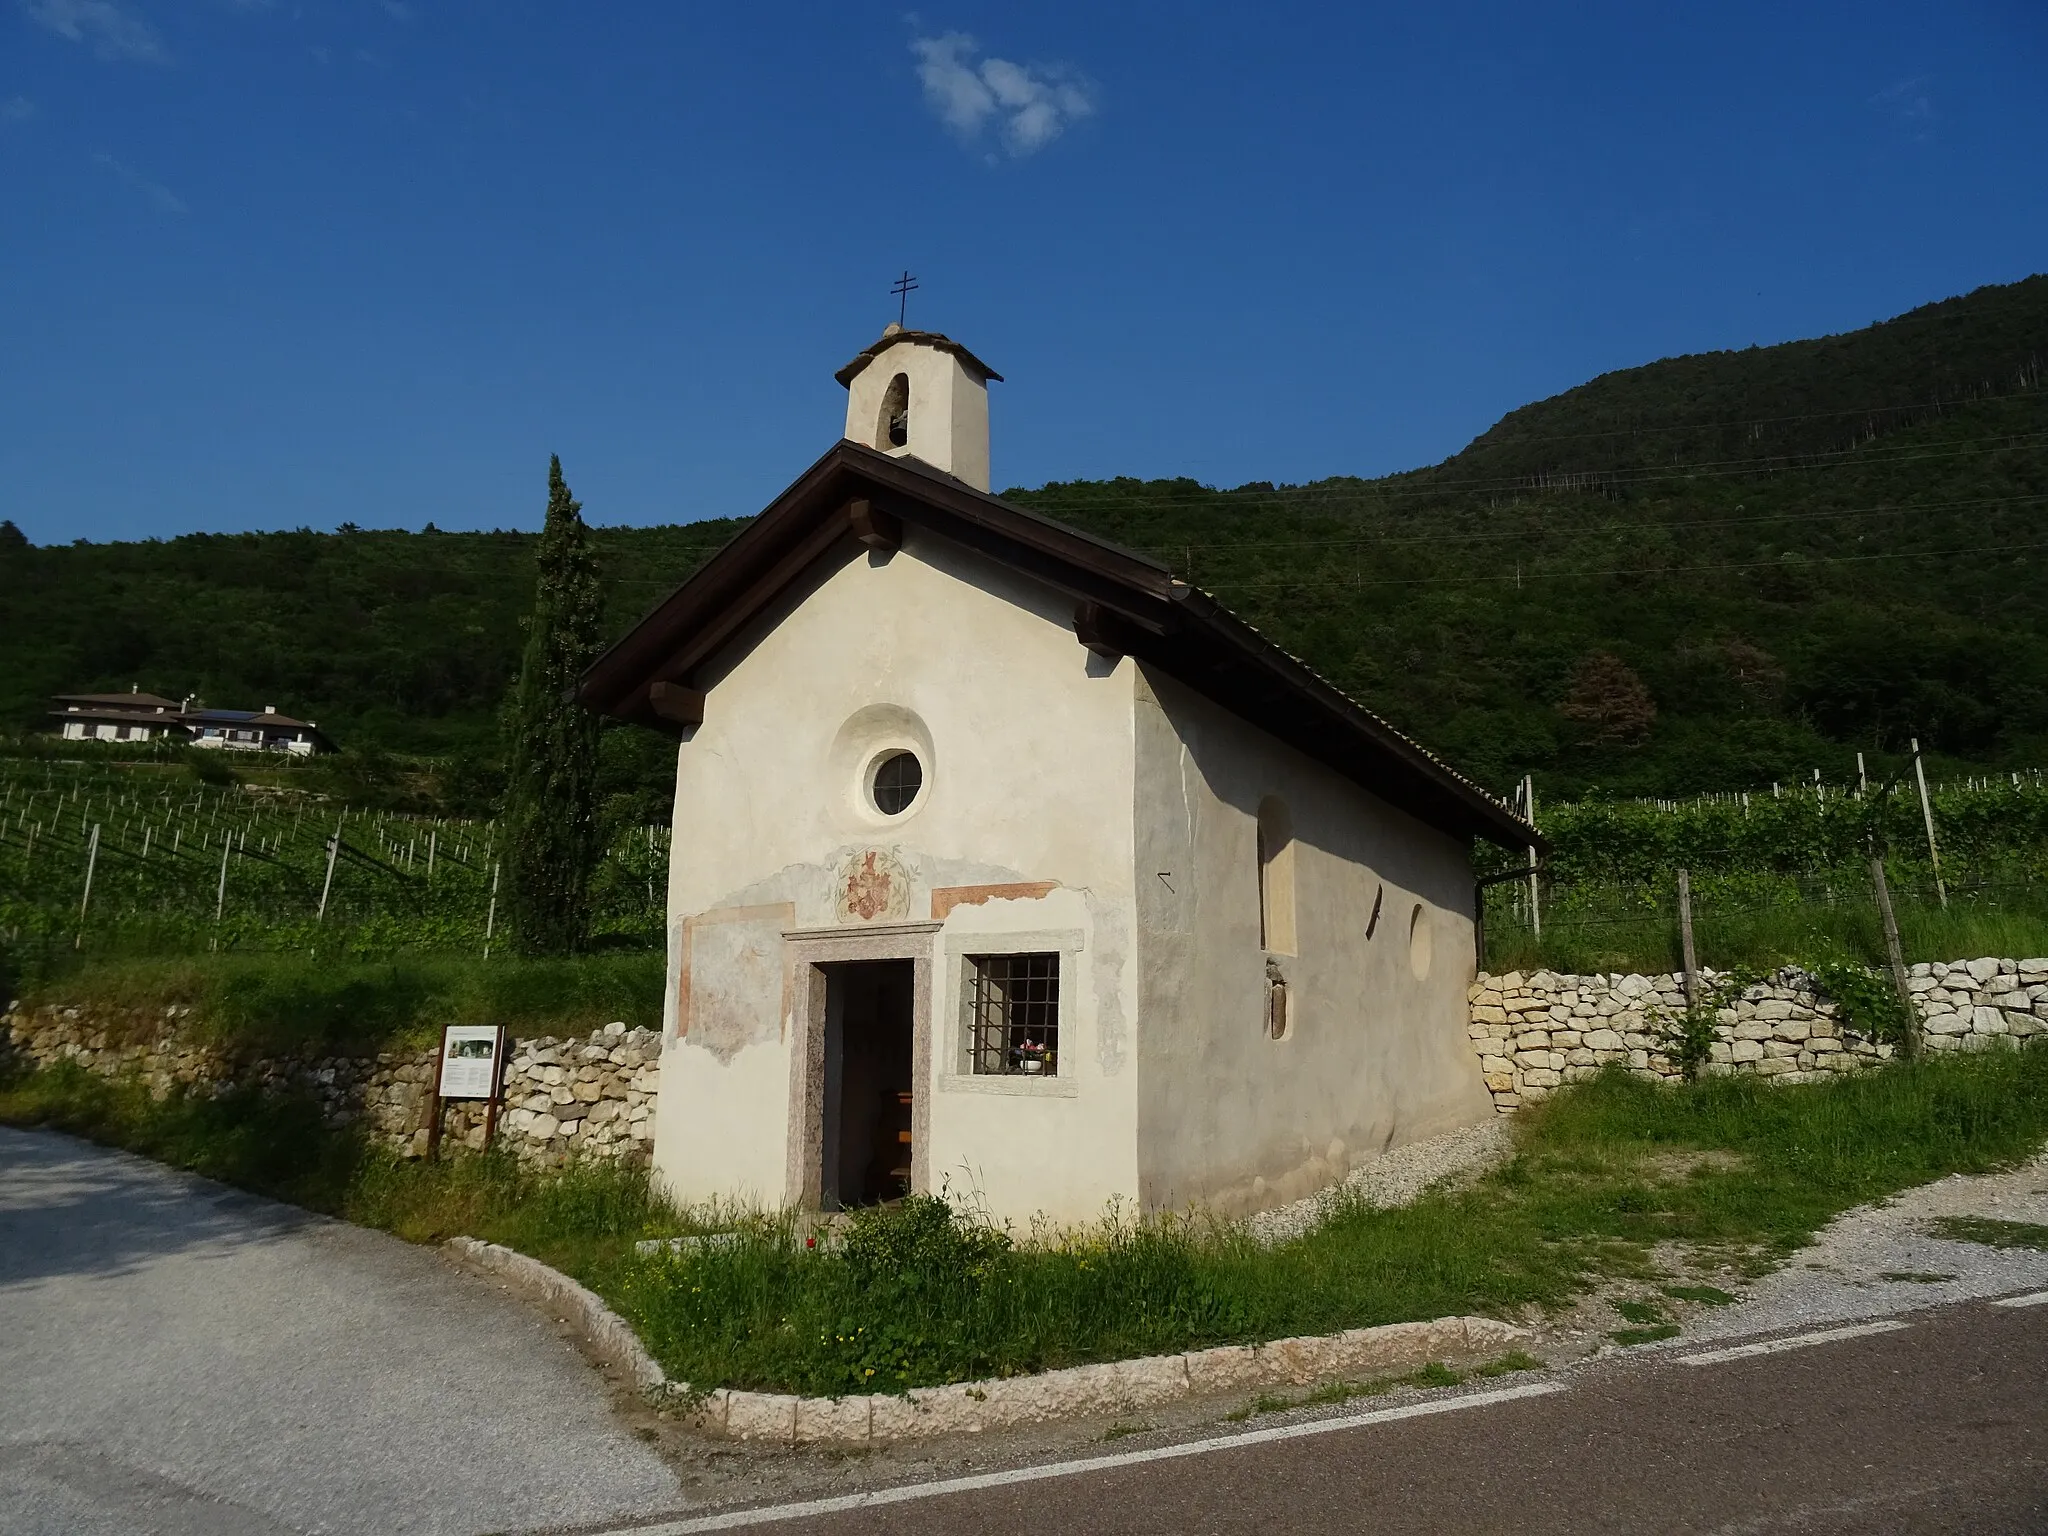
(948, 410)
(1375, 1055)
(1027, 751)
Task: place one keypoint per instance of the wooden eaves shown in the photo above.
(1125, 604)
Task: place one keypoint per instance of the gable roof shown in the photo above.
(133, 701)
(933, 339)
(1127, 603)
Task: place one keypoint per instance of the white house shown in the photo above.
(138, 716)
(130, 716)
(249, 730)
(1006, 861)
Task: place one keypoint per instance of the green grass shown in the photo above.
(283, 1001)
(914, 1296)
(1711, 1295)
(1602, 1178)
(1991, 1232)
(1768, 938)
(1640, 1311)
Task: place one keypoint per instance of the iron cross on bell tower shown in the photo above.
(901, 290)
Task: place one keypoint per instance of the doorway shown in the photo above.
(870, 1084)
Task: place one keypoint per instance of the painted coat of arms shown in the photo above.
(872, 884)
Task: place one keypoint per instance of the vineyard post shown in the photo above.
(491, 920)
(1909, 1043)
(1927, 816)
(333, 848)
(220, 895)
(1692, 963)
(1535, 906)
(92, 858)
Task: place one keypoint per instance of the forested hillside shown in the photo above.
(1709, 572)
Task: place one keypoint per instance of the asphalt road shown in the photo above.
(1940, 1424)
(177, 1357)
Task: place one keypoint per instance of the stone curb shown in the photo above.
(1082, 1391)
(607, 1334)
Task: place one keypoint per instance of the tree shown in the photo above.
(551, 838)
(1608, 696)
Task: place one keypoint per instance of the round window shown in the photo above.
(898, 778)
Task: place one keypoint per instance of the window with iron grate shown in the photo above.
(1013, 1014)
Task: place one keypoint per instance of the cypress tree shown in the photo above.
(551, 837)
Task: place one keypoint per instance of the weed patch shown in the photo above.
(1914, 1277)
(1991, 1232)
(1711, 1295)
(1632, 1336)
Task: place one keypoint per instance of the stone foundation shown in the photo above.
(585, 1096)
(1536, 1032)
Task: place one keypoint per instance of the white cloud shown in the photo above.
(17, 109)
(1911, 106)
(157, 195)
(114, 33)
(1027, 106)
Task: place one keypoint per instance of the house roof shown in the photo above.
(896, 333)
(264, 717)
(1125, 602)
(134, 702)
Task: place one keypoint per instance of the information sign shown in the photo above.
(471, 1055)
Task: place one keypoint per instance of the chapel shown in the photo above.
(1006, 864)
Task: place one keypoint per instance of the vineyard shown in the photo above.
(124, 860)
(133, 859)
(1780, 875)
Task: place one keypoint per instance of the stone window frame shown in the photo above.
(957, 1075)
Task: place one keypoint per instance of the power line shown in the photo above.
(1054, 496)
(1753, 421)
(1627, 570)
(1652, 525)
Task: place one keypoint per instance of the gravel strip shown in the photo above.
(1842, 1277)
(1399, 1177)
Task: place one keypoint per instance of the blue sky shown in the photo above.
(272, 263)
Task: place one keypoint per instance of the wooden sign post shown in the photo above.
(471, 1066)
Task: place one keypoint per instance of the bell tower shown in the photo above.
(921, 395)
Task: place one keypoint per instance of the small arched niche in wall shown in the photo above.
(1276, 877)
(892, 425)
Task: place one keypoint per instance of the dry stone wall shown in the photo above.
(582, 1096)
(1538, 1031)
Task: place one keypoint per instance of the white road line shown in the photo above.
(735, 1519)
(1797, 1341)
(2038, 1298)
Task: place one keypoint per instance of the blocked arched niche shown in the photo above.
(1421, 942)
(1276, 877)
(870, 736)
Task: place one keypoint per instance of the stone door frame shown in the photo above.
(809, 951)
